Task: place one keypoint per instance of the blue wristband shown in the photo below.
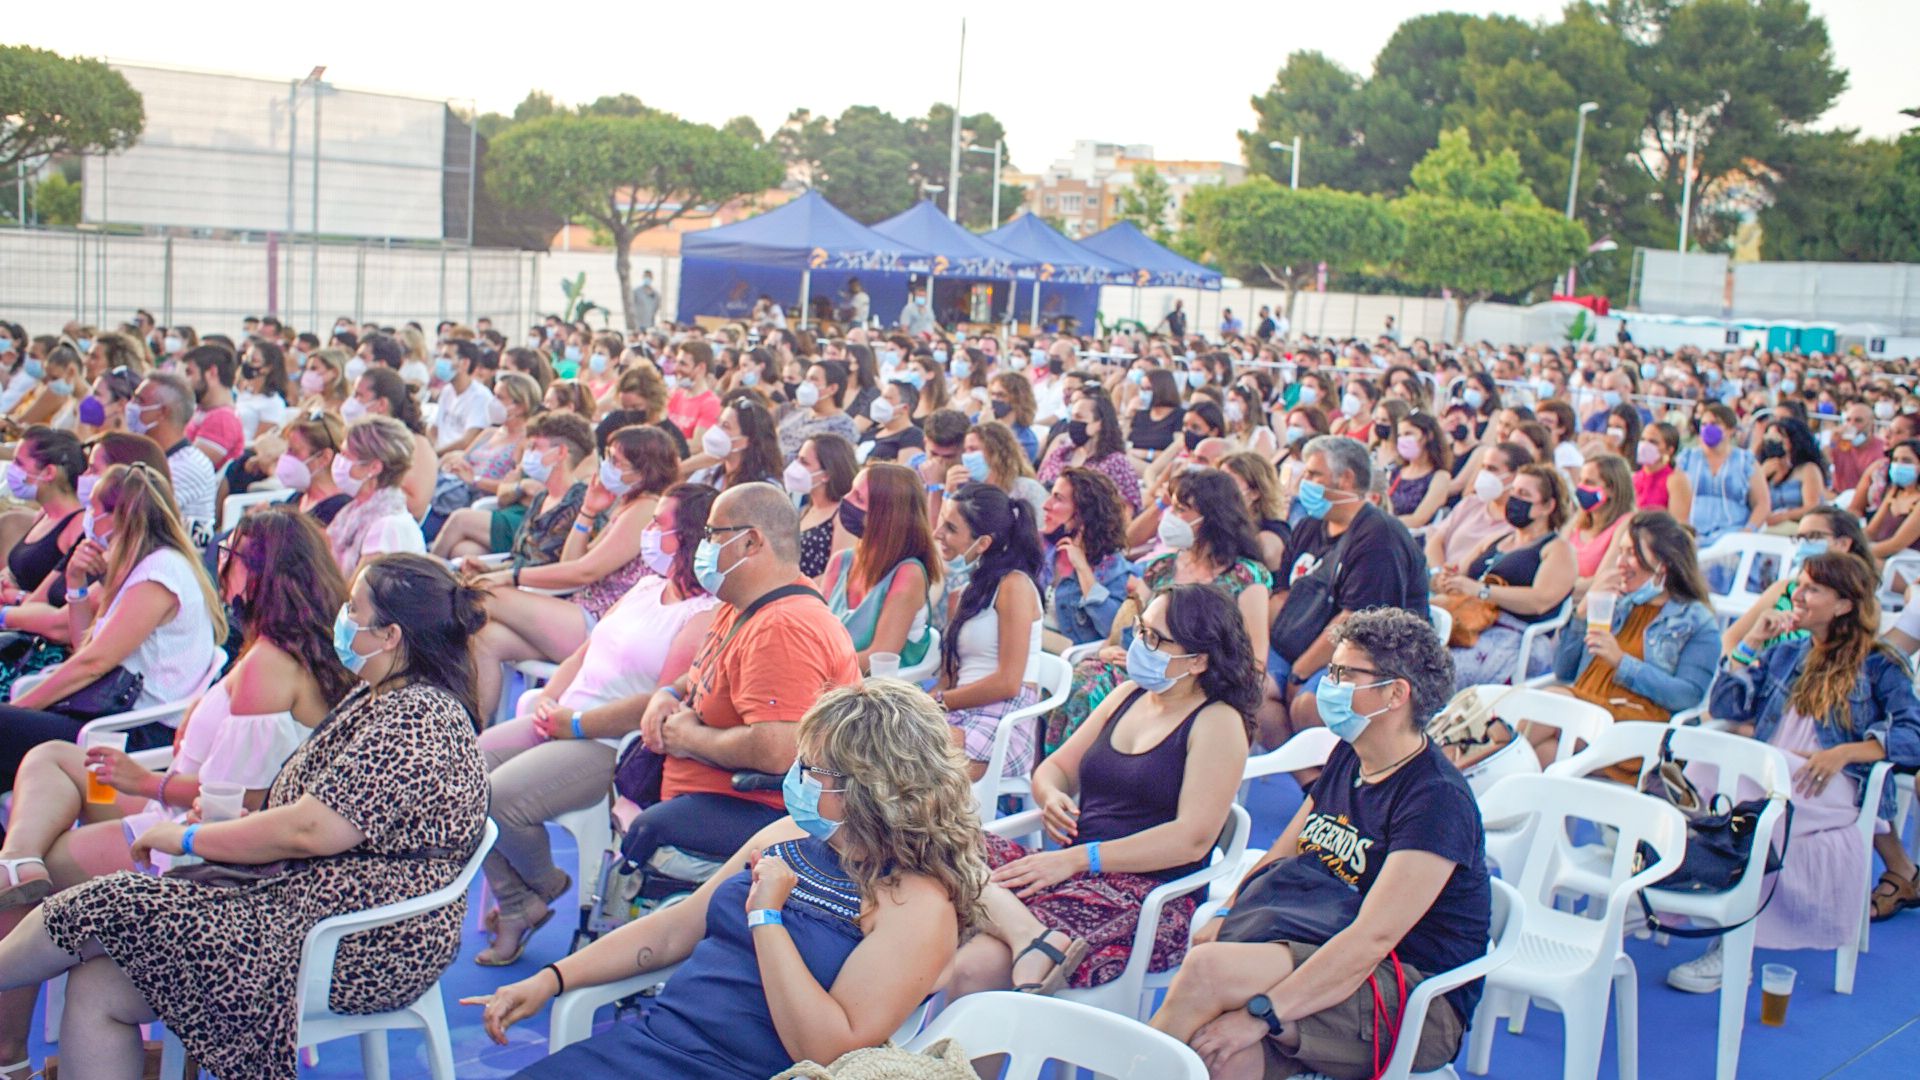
(1221, 913)
(577, 733)
(3, 617)
(186, 839)
(759, 917)
(1093, 857)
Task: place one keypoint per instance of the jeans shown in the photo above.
(23, 729)
(699, 822)
(535, 780)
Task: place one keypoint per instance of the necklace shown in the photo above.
(1363, 777)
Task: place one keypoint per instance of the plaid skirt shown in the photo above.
(1103, 910)
(979, 725)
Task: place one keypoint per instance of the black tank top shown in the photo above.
(1122, 794)
(32, 560)
(1517, 567)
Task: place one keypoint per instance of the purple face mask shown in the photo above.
(1711, 434)
(92, 413)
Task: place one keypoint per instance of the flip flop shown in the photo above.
(1064, 963)
(519, 946)
(22, 893)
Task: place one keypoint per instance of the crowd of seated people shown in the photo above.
(703, 544)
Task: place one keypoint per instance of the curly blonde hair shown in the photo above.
(909, 802)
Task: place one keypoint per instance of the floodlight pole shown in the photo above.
(953, 157)
(1573, 181)
(1293, 179)
(1686, 195)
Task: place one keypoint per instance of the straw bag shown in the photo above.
(944, 1060)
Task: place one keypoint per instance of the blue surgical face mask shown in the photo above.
(572, 354)
(962, 368)
(443, 369)
(939, 356)
(1148, 667)
(1335, 702)
(802, 796)
(976, 465)
(750, 378)
(706, 564)
(1313, 498)
(1137, 377)
(1902, 474)
(1474, 398)
(344, 631)
(611, 480)
(1196, 379)
(1648, 589)
(1309, 395)
(534, 467)
(913, 377)
(60, 387)
(598, 365)
(35, 370)
(1611, 397)
(1805, 550)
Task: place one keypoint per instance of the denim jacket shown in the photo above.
(1090, 617)
(1682, 647)
(1881, 706)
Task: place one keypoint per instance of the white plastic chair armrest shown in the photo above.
(1870, 798)
(1308, 749)
(1015, 826)
(571, 1019)
(486, 502)
(127, 721)
(1414, 1015)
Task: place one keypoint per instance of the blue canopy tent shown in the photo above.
(1152, 264)
(1069, 275)
(787, 252)
(959, 257)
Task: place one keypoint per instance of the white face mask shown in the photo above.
(414, 373)
(1174, 532)
(716, 442)
(343, 477)
(352, 410)
(881, 411)
(1487, 486)
(356, 367)
(807, 395)
(798, 478)
(496, 412)
(313, 382)
(293, 473)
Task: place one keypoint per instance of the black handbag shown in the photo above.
(1720, 837)
(1291, 899)
(110, 694)
(1311, 605)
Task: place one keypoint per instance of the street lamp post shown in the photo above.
(1686, 194)
(1293, 180)
(999, 146)
(1573, 181)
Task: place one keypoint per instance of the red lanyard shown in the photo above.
(1385, 1027)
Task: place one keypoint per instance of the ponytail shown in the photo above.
(1011, 524)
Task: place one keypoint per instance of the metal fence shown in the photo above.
(50, 276)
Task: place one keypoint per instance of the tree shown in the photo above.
(1145, 202)
(873, 165)
(743, 127)
(1845, 199)
(56, 201)
(1262, 228)
(1474, 226)
(50, 104)
(1316, 100)
(625, 174)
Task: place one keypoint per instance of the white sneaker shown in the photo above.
(1700, 975)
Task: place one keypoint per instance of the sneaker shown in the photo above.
(1700, 975)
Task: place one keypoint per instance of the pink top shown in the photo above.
(1650, 490)
(1469, 526)
(1588, 552)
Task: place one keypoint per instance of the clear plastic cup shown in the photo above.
(883, 665)
(1776, 989)
(221, 801)
(97, 792)
(1600, 607)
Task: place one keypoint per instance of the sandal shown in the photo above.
(20, 893)
(490, 922)
(1894, 895)
(1065, 963)
(491, 959)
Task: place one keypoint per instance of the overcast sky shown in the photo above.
(1176, 76)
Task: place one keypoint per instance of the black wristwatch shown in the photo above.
(1259, 1005)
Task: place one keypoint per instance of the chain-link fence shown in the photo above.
(50, 276)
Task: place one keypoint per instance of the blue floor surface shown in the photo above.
(1872, 1033)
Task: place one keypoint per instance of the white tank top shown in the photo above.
(629, 645)
(980, 642)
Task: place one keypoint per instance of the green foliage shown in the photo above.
(578, 306)
(1264, 229)
(51, 104)
(1481, 252)
(1580, 328)
(56, 201)
(873, 164)
(743, 127)
(1453, 171)
(627, 174)
(1845, 199)
(1145, 202)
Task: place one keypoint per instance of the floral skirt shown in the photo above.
(1103, 910)
(1093, 680)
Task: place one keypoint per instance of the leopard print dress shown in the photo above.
(219, 964)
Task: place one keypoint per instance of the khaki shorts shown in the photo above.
(1339, 1041)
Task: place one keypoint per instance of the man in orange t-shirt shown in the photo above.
(739, 706)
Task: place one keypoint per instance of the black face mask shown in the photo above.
(1383, 432)
(853, 519)
(1459, 432)
(1519, 511)
(1077, 433)
(793, 390)
(1771, 449)
(1056, 365)
(1194, 439)
(1001, 409)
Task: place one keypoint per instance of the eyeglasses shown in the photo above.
(1816, 535)
(1154, 639)
(1339, 672)
(818, 771)
(708, 532)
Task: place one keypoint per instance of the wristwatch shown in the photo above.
(1486, 591)
(1260, 1006)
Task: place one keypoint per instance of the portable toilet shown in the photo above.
(1782, 339)
(1815, 340)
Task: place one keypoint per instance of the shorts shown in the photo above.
(504, 526)
(1339, 1041)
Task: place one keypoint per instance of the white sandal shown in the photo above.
(19, 893)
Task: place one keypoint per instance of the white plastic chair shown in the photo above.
(1505, 930)
(1569, 959)
(318, 1024)
(929, 665)
(235, 505)
(1533, 633)
(1442, 621)
(1905, 565)
(1033, 1031)
(1056, 680)
(1130, 993)
(1745, 550)
(1577, 721)
(1736, 759)
(1847, 958)
(1308, 749)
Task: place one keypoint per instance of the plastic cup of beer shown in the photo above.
(98, 792)
(221, 801)
(1776, 988)
(1600, 607)
(884, 665)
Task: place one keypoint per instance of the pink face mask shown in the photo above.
(1408, 446)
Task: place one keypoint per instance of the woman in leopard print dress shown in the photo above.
(386, 800)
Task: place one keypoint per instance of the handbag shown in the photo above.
(1471, 615)
(110, 694)
(22, 653)
(944, 1060)
(1720, 835)
(1291, 899)
(1311, 605)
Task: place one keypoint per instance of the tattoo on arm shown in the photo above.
(643, 960)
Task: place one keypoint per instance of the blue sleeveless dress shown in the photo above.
(711, 1019)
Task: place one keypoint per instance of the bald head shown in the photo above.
(769, 510)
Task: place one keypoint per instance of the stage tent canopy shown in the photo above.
(1151, 262)
(961, 260)
(1067, 277)
(789, 253)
